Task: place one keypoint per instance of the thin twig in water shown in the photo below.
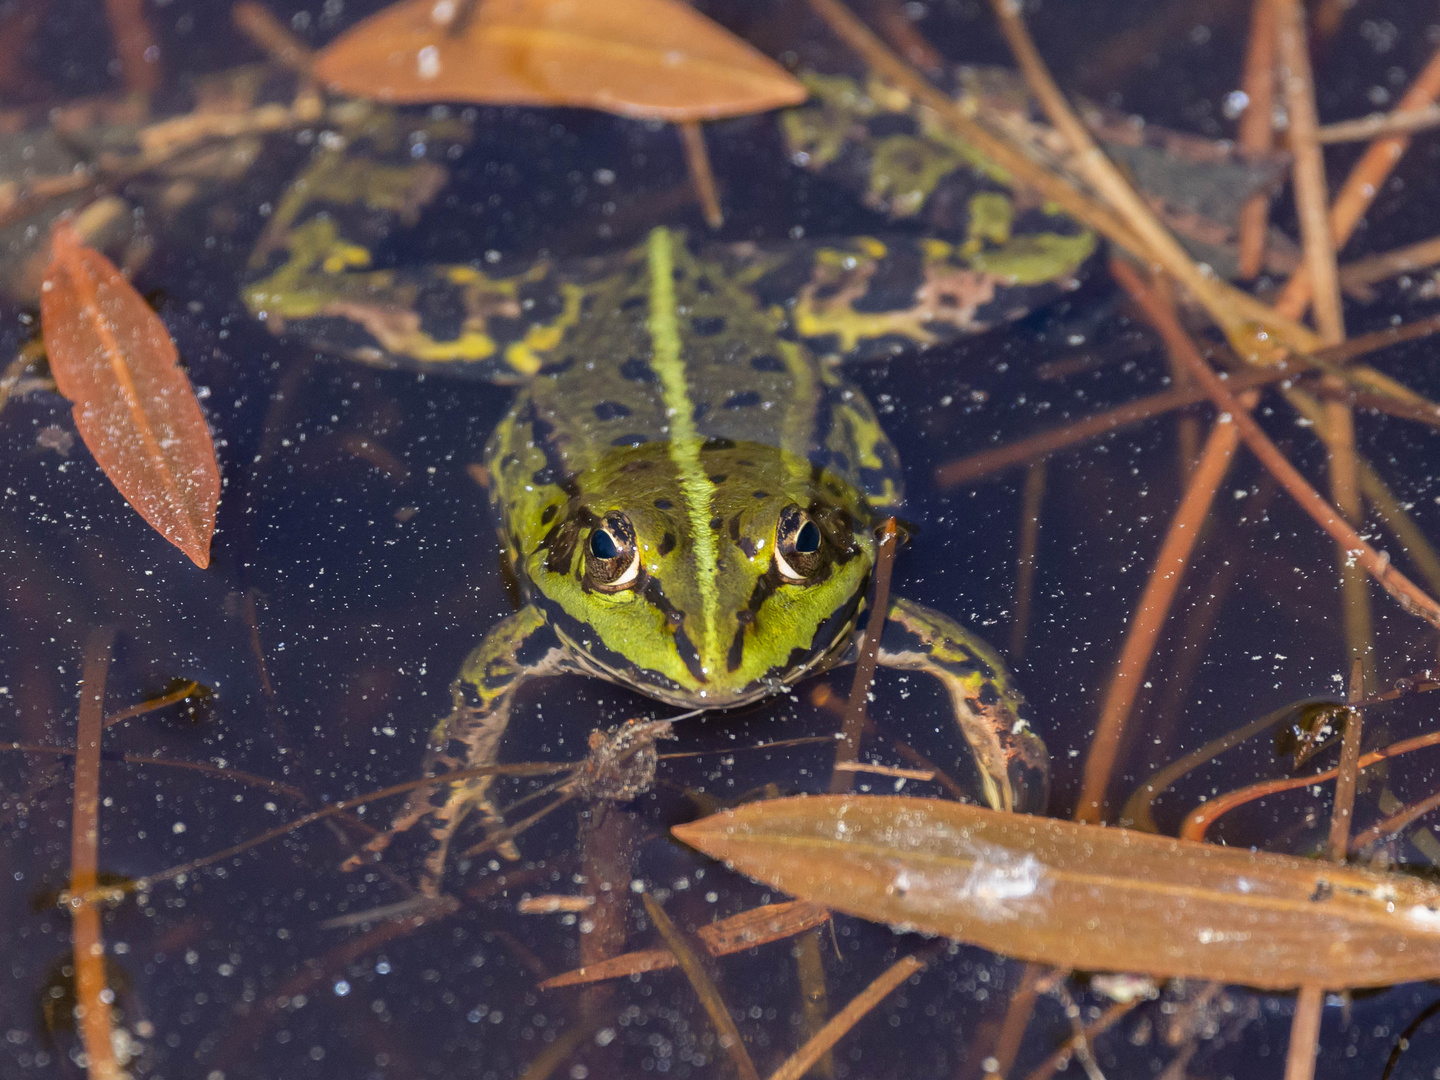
(799, 1063)
(702, 176)
(1377, 124)
(1256, 132)
(715, 1006)
(1108, 1019)
(1357, 277)
(1031, 501)
(92, 1002)
(848, 747)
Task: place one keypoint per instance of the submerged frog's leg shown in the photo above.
(1012, 761)
(988, 255)
(312, 275)
(518, 648)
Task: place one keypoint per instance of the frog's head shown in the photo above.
(706, 587)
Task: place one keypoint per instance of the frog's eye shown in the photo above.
(612, 561)
(799, 546)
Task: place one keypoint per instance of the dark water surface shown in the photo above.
(354, 567)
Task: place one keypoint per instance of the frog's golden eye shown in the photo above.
(612, 561)
(799, 546)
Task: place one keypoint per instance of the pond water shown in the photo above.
(355, 565)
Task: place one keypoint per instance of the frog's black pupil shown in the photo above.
(807, 539)
(602, 545)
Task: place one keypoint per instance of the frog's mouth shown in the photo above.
(829, 645)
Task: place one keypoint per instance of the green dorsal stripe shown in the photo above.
(684, 443)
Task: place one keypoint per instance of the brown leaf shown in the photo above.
(112, 356)
(642, 58)
(1082, 896)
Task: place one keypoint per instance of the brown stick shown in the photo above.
(798, 1064)
(848, 747)
(1108, 1019)
(274, 37)
(1357, 276)
(1151, 613)
(704, 988)
(1257, 131)
(134, 42)
(1309, 168)
(1304, 1033)
(1031, 502)
(1409, 595)
(702, 176)
(1348, 772)
(92, 1008)
(1364, 183)
(1373, 127)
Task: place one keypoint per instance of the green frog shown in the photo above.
(687, 486)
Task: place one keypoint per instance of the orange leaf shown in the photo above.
(642, 58)
(112, 356)
(1081, 896)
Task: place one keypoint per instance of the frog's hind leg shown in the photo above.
(1010, 757)
(519, 648)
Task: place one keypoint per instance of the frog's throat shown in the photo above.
(684, 444)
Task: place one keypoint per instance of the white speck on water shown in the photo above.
(427, 62)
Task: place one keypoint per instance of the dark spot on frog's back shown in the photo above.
(717, 442)
(630, 440)
(611, 410)
(743, 400)
(767, 362)
(637, 370)
(548, 516)
(441, 308)
(667, 544)
(663, 504)
(708, 325)
(630, 303)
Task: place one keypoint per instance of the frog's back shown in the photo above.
(735, 373)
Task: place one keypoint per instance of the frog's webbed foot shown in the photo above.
(1012, 761)
(518, 648)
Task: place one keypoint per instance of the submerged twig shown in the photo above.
(848, 746)
(705, 989)
(1031, 501)
(1256, 132)
(799, 1063)
(1376, 125)
(702, 176)
(92, 996)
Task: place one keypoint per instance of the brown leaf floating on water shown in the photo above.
(641, 58)
(112, 356)
(1081, 896)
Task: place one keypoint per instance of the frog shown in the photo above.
(687, 485)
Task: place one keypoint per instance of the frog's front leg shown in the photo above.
(1012, 761)
(519, 648)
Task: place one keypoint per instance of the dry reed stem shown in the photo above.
(180, 693)
(92, 1006)
(1108, 1019)
(702, 176)
(799, 1063)
(1304, 1033)
(1357, 277)
(272, 36)
(1034, 981)
(1305, 1028)
(1150, 615)
(1409, 595)
(1237, 313)
(544, 1064)
(704, 988)
(814, 995)
(1401, 819)
(1256, 132)
(1308, 174)
(135, 45)
(1031, 502)
(1366, 178)
(1374, 126)
(853, 728)
(1038, 447)
(1401, 525)
(1199, 820)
